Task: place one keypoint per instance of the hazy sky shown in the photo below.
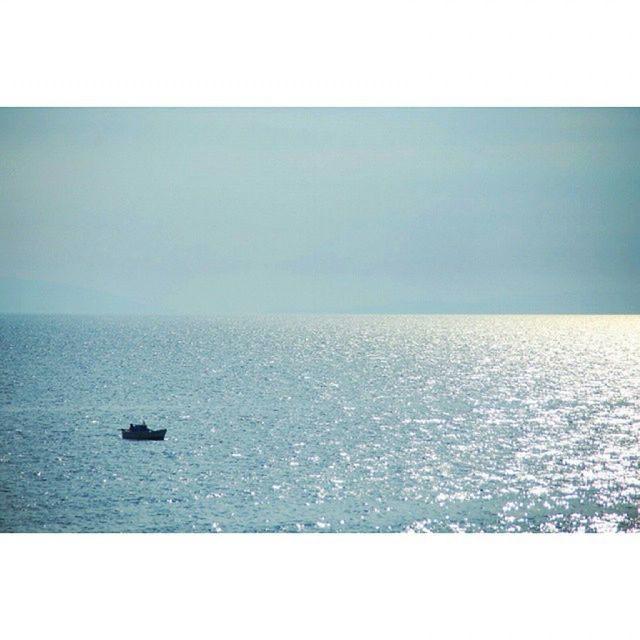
(320, 210)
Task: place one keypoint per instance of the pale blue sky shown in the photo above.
(320, 210)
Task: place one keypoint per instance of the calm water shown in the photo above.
(365, 423)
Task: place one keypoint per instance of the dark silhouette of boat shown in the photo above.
(142, 432)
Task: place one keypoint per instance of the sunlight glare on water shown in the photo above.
(321, 423)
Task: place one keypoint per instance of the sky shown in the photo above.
(364, 210)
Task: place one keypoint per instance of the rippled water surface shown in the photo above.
(321, 423)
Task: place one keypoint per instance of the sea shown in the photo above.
(310, 423)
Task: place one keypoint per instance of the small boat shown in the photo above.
(142, 432)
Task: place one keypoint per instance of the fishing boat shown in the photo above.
(142, 432)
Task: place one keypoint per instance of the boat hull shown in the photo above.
(143, 435)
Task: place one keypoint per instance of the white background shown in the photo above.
(296, 53)
(334, 52)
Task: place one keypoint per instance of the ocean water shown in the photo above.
(321, 423)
